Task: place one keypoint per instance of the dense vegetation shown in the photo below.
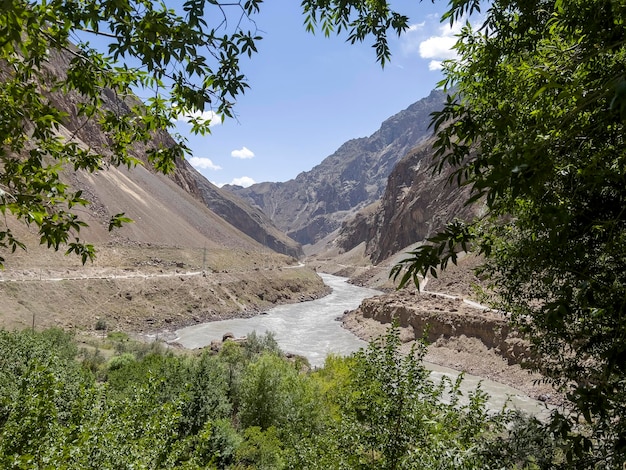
(534, 124)
(245, 407)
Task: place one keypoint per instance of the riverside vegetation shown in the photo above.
(247, 406)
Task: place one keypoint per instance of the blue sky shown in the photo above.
(309, 94)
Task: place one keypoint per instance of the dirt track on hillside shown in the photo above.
(148, 289)
(150, 303)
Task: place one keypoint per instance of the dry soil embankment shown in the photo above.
(149, 289)
(461, 336)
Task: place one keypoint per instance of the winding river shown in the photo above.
(311, 329)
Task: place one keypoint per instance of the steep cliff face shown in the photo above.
(416, 203)
(316, 202)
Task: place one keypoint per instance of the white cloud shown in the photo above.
(438, 47)
(214, 119)
(203, 163)
(411, 38)
(431, 40)
(243, 153)
(244, 181)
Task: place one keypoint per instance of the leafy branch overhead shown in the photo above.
(181, 61)
(534, 125)
(359, 19)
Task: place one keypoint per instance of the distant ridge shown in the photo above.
(316, 202)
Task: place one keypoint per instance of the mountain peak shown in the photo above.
(316, 202)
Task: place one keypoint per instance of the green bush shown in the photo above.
(377, 409)
(274, 393)
(126, 360)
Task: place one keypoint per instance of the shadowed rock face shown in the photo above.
(416, 204)
(316, 202)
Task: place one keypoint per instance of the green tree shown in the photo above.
(199, 385)
(151, 47)
(274, 393)
(184, 60)
(260, 450)
(534, 124)
(376, 409)
(386, 412)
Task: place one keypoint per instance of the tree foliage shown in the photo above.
(376, 409)
(359, 19)
(534, 124)
(395, 416)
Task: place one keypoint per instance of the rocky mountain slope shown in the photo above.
(229, 209)
(415, 205)
(316, 202)
(184, 259)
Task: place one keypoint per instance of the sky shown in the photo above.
(309, 94)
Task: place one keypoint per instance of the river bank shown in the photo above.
(148, 299)
(308, 329)
(462, 351)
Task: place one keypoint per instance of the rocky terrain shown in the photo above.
(184, 258)
(417, 202)
(203, 200)
(461, 351)
(142, 287)
(316, 202)
(250, 220)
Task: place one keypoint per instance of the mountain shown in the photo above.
(415, 205)
(233, 209)
(225, 208)
(316, 202)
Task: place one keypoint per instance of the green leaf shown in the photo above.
(118, 220)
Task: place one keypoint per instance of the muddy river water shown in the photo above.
(311, 329)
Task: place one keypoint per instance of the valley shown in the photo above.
(496, 202)
(198, 253)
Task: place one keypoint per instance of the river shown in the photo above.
(311, 329)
